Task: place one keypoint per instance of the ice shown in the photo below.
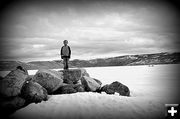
(151, 88)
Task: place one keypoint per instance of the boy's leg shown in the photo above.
(64, 63)
(67, 61)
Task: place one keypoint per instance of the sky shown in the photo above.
(95, 29)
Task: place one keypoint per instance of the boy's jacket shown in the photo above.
(62, 56)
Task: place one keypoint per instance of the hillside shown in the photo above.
(127, 60)
(9, 65)
(47, 64)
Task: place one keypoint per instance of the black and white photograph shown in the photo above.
(89, 59)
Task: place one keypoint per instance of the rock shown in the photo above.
(84, 72)
(29, 78)
(51, 80)
(98, 81)
(66, 89)
(90, 84)
(12, 83)
(34, 92)
(79, 88)
(69, 88)
(73, 76)
(79, 82)
(116, 87)
(22, 69)
(108, 90)
(9, 105)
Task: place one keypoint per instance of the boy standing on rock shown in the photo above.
(65, 54)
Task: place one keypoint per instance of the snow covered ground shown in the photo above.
(151, 88)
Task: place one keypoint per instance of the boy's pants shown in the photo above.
(65, 62)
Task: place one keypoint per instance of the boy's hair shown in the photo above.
(65, 41)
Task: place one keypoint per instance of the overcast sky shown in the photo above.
(35, 31)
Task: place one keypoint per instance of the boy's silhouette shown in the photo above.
(65, 54)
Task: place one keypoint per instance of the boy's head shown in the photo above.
(65, 42)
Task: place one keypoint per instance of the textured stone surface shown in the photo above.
(9, 105)
(84, 72)
(73, 76)
(66, 89)
(51, 80)
(116, 87)
(34, 92)
(12, 83)
(29, 78)
(98, 81)
(90, 84)
(79, 88)
(69, 88)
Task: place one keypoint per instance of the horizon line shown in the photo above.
(87, 59)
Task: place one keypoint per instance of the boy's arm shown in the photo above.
(61, 52)
(69, 51)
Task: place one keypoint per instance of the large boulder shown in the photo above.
(79, 88)
(51, 80)
(98, 81)
(33, 92)
(73, 76)
(29, 78)
(9, 105)
(69, 88)
(90, 84)
(116, 87)
(66, 89)
(84, 72)
(12, 83)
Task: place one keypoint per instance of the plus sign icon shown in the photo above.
(172, 111)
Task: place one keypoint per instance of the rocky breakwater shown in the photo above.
(77, 80)
(51, 80)
(19, 89)
(10, 90)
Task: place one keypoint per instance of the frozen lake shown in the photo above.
(142, 80)
(151, 88)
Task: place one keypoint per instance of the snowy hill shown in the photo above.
(151, 88)
(127, 60)
(9, 65)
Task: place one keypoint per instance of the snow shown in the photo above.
(151, 88)
(92, 106)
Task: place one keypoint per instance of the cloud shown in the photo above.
(97, 29)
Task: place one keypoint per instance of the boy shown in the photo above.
(65, 54)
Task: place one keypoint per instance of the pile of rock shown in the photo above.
(116, 87)
(80, 80)
(10, 90)
(18, 89)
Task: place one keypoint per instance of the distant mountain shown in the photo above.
(127, 60)
(48, 64)
(9, 65)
